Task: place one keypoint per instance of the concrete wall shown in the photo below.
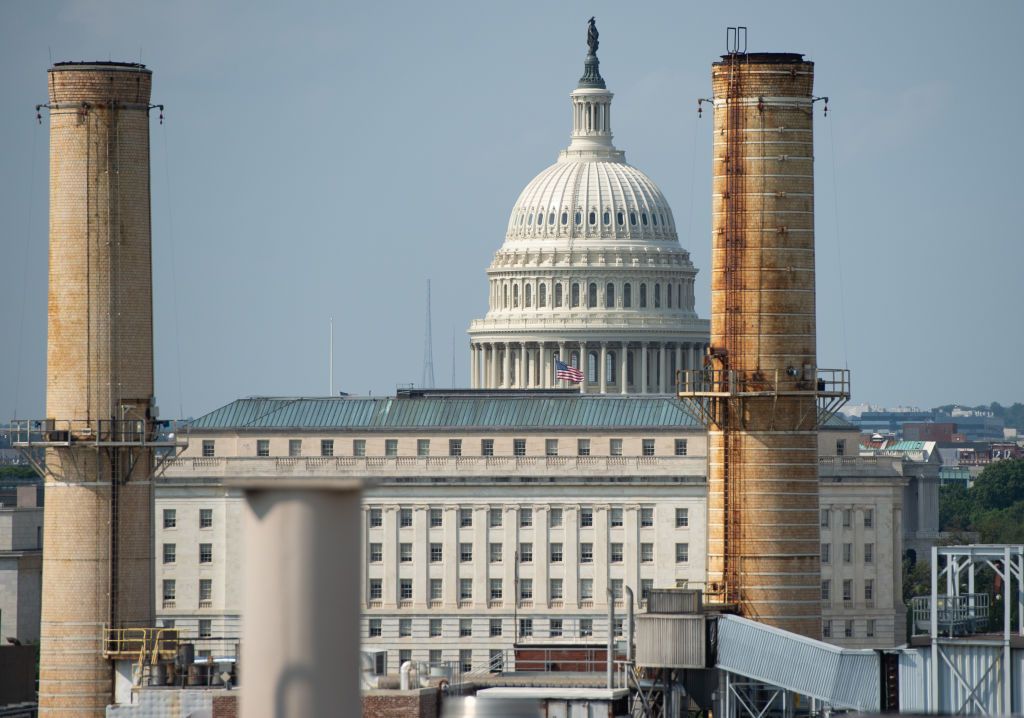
(420, 703)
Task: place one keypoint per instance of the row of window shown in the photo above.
(496, 587)
(511, 297)
(170, 553)
(530, 219)
(205, 515)
(869, 553)
(455, 446)
(847, 628)
(556, 628)
(869, 589)
(495, 517)
(556, 552)
(869, 518)
(170, 592)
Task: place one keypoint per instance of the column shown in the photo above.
(601, 368)
(509, 571)
(583, 367)
(480, 564)
(541, 557)
(494, 367)
(523, 377)
(473, 372)
(643, 367)
(679, 366)
(545, 365)
(563, 356)
(450, 549)
(602, 566)
(389, 582)
(506, 376)
(571, 554)
(662, 367)
(624, 368)
(631, 548)
(420, 557)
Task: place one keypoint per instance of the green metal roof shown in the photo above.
(451, 410)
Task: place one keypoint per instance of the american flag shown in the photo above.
(570, 373)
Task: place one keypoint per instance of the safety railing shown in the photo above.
(53, 433)
(161, 643)
(792, 381)
(957, 615)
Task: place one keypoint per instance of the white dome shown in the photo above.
(588, 199)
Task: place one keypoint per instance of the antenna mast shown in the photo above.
(427, 381)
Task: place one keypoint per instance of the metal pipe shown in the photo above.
(611, 636)
(629, 624)
(403, 675)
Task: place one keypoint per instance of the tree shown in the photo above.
(1000, 485)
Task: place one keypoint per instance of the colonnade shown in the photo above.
(624, 367)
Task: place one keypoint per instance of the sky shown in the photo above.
(323, 159)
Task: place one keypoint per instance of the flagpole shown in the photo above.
(330, 360)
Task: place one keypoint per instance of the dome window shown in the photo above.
(515, 295)
(657, 296)
(606, 218)
(575, 294)
(565, 218)
(542, 296)
(619, 218)
(529, 220)
(551, 218)
(632, 218)
(654, 219)
(579, 217)
(627, 296)
(643, 218)
(540, 218)
(593, 217)
(529, 296)
(592, 295)
(558, 294)
(609, 296)
(643, 296)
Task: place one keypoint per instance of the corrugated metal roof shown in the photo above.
(450, 411)
(845, 678)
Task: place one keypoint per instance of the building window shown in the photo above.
(465, 552)
(824, 518)
(826, 629)
(374, 628)
(680, 447)
(405, 588)
(205, 518)
(206, 553)
(170, 518)
(627, 296)
(617, 589)
(826, 553)
(847, 589)
(826, 590)
(497, 590)
(586, 553)
(643, 296)
(646, 516)
(529, 296)
(555, 628)
(646, 586)
(847, 553)
(422, 447)
(262, 447)
(208, 448)
(615, 555)
(682, 553)
(205, 592)
(682, 518)
(519, 447)
(358, 447)
(434, 628)
(657, 296)
(405, 553)
(615, 447)
(646, 553)
(376, 552)
(526, 553)
(542, 296)
(847, 518)
(525, 627)
(586, 588)
(465, 627)
(556, 553)
(555, 591)
(870, 631)
(326, 447)
(169, 591)
(404, 627)
(841, 447)
(405, 518)
(869, 518)
(616, 516)
(555, 518)
(551, 447)
(205, 628)
(848, 629)
(648, 447)
(487, 447)
(592, 367)
(586, 517)
(515, 295)
(495, 550)
(390, 447)
(609, 296)
(525, 518)
(869, 553)
(586, 627)
(436, 518)
(495, 627)
(583, 447)
(436, 552)
(465, 518)
(869, 589)
(574, 295)
(525, 589)
(404, 655)
(376, 589)
(376, 518)
(494, 517)
(170, 553)
(592, 295)
(558, 294)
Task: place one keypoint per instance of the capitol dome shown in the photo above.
(591, 272)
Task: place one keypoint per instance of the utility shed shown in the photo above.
(671, 640)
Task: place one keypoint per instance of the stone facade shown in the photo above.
(21, 533)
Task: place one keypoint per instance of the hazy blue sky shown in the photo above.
(327, 158)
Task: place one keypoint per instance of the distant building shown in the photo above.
(21, 550)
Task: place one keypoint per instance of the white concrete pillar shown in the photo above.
(545, 363)
(624, 368)
(679, 367)
(523, 377)
(300, 641)
(506, 376)
(643, 367)
(602, 368)
(584, 362)
(473, 366)
(563, 355)
(662, 367)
